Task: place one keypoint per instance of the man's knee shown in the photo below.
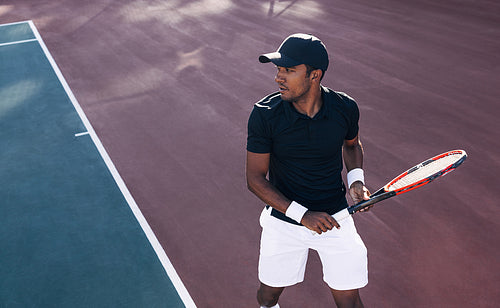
(268, 296)
(348, 299)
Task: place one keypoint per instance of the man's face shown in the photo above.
(293, 82)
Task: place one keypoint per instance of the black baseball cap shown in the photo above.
(298, 49)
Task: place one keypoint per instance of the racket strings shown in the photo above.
(424, 171)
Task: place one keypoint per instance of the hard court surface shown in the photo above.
(168, 87)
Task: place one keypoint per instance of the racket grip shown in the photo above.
(373, 199)
(341, 215)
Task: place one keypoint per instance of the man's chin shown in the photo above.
(285, 97)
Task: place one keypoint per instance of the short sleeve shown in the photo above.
(353, 128)
(353, 114)
(259, 138)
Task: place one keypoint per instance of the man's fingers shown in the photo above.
(359, 192)
(327, 222)
(333, 222)
(367, 193)
(324, 226)
(320, 222)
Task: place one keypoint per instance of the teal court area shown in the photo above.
(70, 233)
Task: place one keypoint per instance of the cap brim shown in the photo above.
(278, 59)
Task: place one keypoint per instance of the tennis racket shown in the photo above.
(418, 176)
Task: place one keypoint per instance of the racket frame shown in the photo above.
(385, 192)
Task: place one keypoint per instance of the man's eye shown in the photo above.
(285, 69)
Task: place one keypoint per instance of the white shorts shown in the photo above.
(284, 249)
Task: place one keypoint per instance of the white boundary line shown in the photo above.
(18, 42)
(15, 23)
(82, 134)
(160, 252)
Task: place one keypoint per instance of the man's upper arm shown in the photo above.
(257, 164)
(352, 142)
(353, 153)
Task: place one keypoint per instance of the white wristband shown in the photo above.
(354, 175)
(295, 211)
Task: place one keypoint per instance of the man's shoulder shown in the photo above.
(269, 107)
(341, 101)
(339, 96)
(270, 102)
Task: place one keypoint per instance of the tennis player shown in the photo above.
(300, 136)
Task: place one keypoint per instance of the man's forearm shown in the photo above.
(269, 194)
(353, 156)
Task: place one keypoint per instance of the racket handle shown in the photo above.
(373, 199)
(341, 215)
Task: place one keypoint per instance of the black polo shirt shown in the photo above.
(306, 153)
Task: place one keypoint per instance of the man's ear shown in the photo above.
(316, 74)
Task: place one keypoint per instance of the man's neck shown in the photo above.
(311, 104)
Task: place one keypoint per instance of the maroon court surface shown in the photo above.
(168, 87)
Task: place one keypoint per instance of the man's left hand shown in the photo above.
(358, 193)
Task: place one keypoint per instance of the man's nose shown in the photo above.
(279, 77)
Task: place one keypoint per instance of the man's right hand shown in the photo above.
(319, 221)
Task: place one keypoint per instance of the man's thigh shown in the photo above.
(283, 255)
(343, 256)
